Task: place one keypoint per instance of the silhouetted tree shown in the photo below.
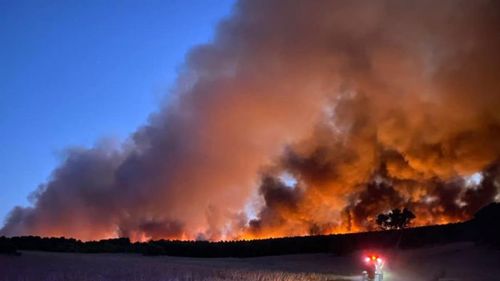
(7, 247)
(395, 219)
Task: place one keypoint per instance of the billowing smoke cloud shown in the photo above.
(367, 105)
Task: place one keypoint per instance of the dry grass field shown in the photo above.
(431, 264)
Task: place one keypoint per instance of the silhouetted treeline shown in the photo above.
(7, 246)
(36, 243)
(485, 228)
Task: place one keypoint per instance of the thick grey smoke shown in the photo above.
(366, 103)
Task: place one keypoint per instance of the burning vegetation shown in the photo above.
(302, 117)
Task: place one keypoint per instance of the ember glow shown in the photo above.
(302, 117)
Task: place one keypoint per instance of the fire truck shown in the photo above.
(373, 268)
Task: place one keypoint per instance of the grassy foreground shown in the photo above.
(462, 261)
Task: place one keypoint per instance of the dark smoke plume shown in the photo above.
(367, 105)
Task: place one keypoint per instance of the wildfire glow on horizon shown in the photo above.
(300, 118)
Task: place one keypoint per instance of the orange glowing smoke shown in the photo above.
(365, 105)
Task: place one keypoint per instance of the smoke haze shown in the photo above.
(366, 105)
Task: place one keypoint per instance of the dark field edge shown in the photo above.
(484, 228)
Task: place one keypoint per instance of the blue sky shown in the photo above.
(73, 72)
